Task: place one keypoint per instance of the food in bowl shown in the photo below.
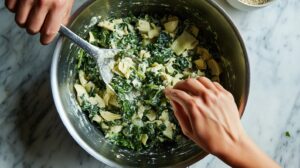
(157, 52)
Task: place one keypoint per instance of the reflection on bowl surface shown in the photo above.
(236, 78)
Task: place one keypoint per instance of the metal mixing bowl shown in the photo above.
(236, 78)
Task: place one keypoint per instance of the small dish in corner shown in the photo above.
(248, 5)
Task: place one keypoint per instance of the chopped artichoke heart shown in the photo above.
(82, 79)
(168, 132)
(141, 111)
(138, 122)
(200, 63)
(97, 118)
(107, 25)
(214, 67)
(171, 26)
(110, 97)
(184, 42)
(144, 138)
(151, 115)
(125, 66)
(81, 93)
(89, 86)
(164, 116)
(145, 54)
(91, 37)
(153, 33)
(143, 26)
(204, 53)
(157, 67)
(194, 30)
(116, 128)
(108, 116)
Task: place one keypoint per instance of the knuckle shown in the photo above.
(32, 30)
(29, 2)
(42, 3)
(58, 4)
(210, 97)
(190, 81)
(191, 103)
(227, 93)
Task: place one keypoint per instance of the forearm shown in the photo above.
(247, 154)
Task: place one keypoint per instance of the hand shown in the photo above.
(41, 16)
(209, 116)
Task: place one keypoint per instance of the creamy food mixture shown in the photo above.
(158, 52)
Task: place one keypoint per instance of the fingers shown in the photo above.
(191, 86)
(68, 12)
(207, 83)
(11, 5)
(23, 8)
(218, 86)
(186, 101)
(36, 18)
(52, 23)
(182, 118)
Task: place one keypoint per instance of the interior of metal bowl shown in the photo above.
(235, 78)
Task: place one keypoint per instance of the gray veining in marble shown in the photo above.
(32, 135)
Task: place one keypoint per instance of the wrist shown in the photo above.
(244, 153)
(235, 153)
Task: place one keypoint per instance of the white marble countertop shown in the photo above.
(32, 135)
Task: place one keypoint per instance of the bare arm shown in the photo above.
(209, 116)
(41, 16)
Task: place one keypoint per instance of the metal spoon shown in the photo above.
(104, 57)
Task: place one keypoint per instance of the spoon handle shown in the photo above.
(89, 48)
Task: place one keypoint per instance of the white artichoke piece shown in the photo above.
(184, 42)
(204, 53)
(168, 132)
(108, 116)
(124, 67)
(97, 100)
(144, 138)
(171, 24)
(89, 86)
(110, 25)
(141, 110)
(97, 118)
(200, 64)
(153, 33)
(81, 93)
(107, 25)
(91, 37)
(151, 115)
(214, 67)
(164, 116)
(143, 26)
(138, 122)
(110, 97)
(177, 78)
(116, 128)
(82, 79)
(194, 30)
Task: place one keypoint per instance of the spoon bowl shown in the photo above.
(104, 57)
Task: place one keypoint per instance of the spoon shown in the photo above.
(104, 57)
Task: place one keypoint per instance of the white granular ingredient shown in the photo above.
(254, 2)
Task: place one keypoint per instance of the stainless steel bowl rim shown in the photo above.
(63, 114)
